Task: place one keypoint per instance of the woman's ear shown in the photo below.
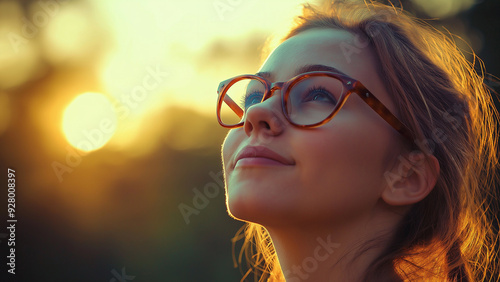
(411, 179)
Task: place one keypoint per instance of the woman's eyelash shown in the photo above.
(314, 88)
(244, 99)
(320, 89)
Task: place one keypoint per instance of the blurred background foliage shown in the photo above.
(107, 114)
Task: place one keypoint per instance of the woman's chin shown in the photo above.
(257, 208)
(246, 207)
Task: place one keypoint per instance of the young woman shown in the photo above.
(364, 149)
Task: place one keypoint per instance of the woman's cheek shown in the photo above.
(228, 147)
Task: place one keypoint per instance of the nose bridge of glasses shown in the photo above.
(274, 86)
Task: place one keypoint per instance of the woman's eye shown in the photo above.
(319, 95)
(253, 99)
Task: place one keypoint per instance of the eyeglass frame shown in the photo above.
(350, 85)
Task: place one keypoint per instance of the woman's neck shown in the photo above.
(338, 253)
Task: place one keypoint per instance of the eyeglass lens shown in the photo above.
(311, 100)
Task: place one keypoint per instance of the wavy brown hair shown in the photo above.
(451, 234)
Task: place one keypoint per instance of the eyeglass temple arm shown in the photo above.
(384, 112)
(233, 106)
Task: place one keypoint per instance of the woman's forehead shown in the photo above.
(336, 48)
(322, 46)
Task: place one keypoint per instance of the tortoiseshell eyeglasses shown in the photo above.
(308, 100)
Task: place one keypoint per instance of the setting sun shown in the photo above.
(89, 121)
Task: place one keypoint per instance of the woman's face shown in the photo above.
(295, 176)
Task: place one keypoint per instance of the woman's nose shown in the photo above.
(265, 118)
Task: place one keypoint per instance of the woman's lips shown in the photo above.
(260, 156)
(257, 162)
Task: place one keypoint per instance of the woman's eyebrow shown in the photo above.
(318, 67)
(303, 69)
(266, 75)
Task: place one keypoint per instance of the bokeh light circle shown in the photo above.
(89, 121)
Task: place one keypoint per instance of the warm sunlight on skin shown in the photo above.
(89, 121)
